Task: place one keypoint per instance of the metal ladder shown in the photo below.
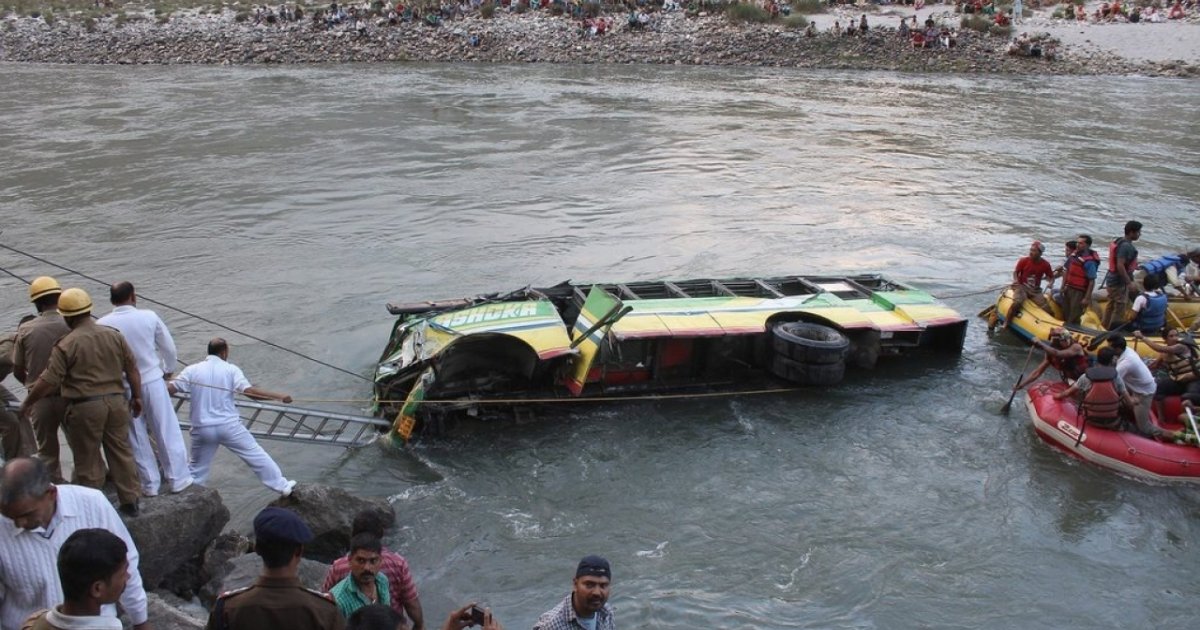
(292, 424)
(267, 421)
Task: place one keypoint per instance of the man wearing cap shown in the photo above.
(277, 600)
(154, 351)
(1027, 281)
(16, 434)
(31, 352)
(1063, 353)
(587, 605)
(1118, 282)
(87, 367)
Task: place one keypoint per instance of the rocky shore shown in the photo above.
(672, 38)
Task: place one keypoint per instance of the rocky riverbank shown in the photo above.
(671, 38)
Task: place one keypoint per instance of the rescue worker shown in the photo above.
(31, 352)
(1172, 271)
(1150, 308)
(16, 434)
(277, 599)
(87, 367)
(1079, 280)
(1140, 383)
(1102, 392)
(1027, 281)
(1118, 282)
(1063, 353)
(1180, 357)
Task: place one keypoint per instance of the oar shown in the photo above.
(1008, 405)
(1178, 322)
(1099, 339)
(1192, 421)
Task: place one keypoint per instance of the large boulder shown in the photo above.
(172, 529)
(243, 570)
(168, 612)
(329, 511)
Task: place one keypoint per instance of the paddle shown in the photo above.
(1192, 421)
(1008, 405)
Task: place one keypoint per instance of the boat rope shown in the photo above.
(179, 310)
(952, 296)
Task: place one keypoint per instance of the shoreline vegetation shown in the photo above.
(702, 32)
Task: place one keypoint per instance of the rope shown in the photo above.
(953, 296)
(179, 310)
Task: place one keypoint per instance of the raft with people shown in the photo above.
(1061, 424)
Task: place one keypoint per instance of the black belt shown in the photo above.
(76, 401)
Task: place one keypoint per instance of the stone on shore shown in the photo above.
(168, 612)
(172, 529)
(329, 512)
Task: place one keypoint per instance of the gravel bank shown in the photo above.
(532, 37)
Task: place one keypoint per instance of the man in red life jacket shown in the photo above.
(1064, 354)
(1027, 281)
(1118, 283)
(1103, 392)
(1079, 279)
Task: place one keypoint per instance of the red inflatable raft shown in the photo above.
(1058, 423)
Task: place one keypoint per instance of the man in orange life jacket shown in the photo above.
(1118, 282)
(1103, 392)
(1064, 354)
(1027, 281)
(1079, 279)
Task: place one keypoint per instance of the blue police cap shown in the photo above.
(281, 524)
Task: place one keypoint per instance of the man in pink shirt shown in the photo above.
(403, 590)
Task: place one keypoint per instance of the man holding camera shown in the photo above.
(587, 605)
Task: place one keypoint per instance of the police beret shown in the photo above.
(281, 524)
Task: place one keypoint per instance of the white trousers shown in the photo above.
(233, 436)
(157, 430)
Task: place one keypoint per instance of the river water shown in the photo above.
(292, 203)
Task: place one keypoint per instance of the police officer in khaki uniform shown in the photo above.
(16, 435)
(31, 352)
(277, 600)
(87, 366)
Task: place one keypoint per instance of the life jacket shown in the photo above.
(1076, 276)
(1102, 403)
(1070, 367)
(1183, 367)
(1158, 267)
(1112, 257)
(1153, 315)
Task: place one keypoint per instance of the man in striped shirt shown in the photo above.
(587, 606)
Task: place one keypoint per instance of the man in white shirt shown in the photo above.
(38, 518)
(154, 351)
(1139, 381)
(211, 384)
(93, 570)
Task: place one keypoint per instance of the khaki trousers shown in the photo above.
(47, 415)
(1118, 303)
(103, 423)
(1073, 309)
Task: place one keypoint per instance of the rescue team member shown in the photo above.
(1079, 280)
(1150, 308)
(1172, 271)
(31, 352)
(1140, 383)
(1103, 392)
(215, 419)
(154, 351)
(1118, 282)
(1181, 359)
(1064, 354)
(1027, 281)
(16, 434)
(87, 366)
(277, 600)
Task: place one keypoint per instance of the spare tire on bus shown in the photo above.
(809, 343)
(808, 373)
